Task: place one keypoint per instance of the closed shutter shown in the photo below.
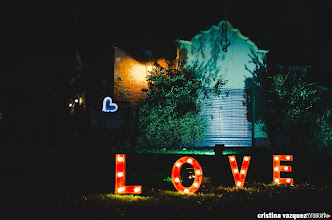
(228, 119)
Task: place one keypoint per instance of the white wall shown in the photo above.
(204, 50)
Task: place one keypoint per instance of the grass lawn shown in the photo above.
(80, 186)
(215, 203)
(194, 151)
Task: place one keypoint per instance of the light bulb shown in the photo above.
(186, 190)
(235, 170)
(198, 172)
(120, 159)
(189, 160)
(243, 171)
(120, 174)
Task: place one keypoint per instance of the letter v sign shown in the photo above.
(239, 175)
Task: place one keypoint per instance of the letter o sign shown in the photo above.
(176, 178)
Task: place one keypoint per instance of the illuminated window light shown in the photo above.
(120, 177)
(176, 178)
(239, 178)
(277, 169)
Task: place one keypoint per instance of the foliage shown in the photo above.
(288, 100)
(323, 131)
(210, 202)
(170, 116)
(285, 97)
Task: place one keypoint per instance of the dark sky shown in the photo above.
(39, 39)
(292, 30)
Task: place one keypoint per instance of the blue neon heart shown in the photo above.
(108, 106)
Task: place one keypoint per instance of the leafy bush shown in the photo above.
(285, 100)
(170, 116)
(323, 131)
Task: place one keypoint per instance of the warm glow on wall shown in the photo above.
(120, 177)
(138, 72)
(239, 175)
(176, 178)
(129, 78)
(277, 168)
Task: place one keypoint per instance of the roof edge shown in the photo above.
(237, 31)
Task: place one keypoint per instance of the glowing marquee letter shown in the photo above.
(120, 177)
(239, 175)
(108, 106)
(277, 169)
(176, 178)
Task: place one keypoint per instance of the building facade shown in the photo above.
(222, 52)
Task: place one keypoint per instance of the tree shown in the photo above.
(323, 130)
(170, 116)
(287, 99)
(78, 118)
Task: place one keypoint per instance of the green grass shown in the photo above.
(187, 151)
(209, 201)
(210, 151)
(194, 151)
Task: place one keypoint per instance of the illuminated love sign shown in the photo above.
(108, 106)
(176, 179)
(239, 175)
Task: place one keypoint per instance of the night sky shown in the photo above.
(39, 39)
